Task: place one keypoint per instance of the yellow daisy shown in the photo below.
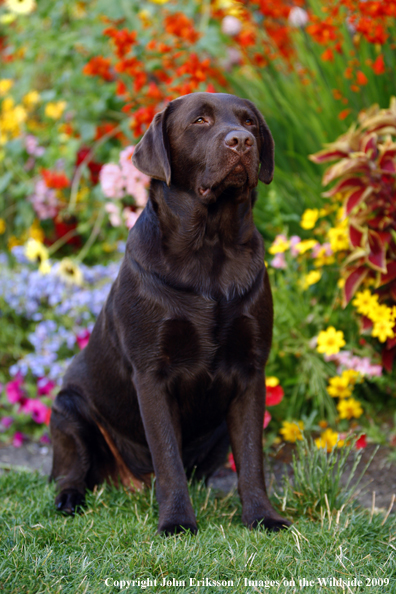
(292, 430)
(328, 440)
(70, 272)
(330, 341)
(349, 408)
(309, 218)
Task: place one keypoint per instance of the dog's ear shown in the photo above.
(267, 151)
(151, 154)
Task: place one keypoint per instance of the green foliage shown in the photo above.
(317, 487)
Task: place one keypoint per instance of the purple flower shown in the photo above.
(6, 422)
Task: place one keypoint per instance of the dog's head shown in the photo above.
(206, 143)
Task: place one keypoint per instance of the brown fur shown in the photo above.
(174, 369)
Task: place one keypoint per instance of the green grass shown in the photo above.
(43, 551)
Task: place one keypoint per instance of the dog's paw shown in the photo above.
(273, 522)
(69, 500)
(169, 528)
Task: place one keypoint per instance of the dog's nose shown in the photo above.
(239, 141)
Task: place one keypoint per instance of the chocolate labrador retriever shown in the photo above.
(174, 368)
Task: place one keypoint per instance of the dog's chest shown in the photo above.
(212, 339)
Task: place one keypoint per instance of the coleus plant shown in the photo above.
(366, 186)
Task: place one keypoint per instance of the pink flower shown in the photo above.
(14, 392)
(131, 216)
(114, 213)
(112, 181)
(267, 419)
(7, 421)
(136, 182)
(45, 439)
(37, 409)
(83, 338)
(45, 386)
(44, 201)
(294, 240)
(18, 439)
(279, 261)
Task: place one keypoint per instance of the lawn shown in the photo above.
(114, 541)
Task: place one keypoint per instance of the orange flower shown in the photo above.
(179, 25)
(98, 66)
(379, 65)
(344, 113)
(328, 56)
(361, 78)
(122, 39)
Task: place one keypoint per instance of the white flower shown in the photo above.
(298, 17)
(230, 25)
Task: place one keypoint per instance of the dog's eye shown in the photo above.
(200, 120)
(249, 122)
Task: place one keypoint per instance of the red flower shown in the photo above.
(54, 179)
(361, 442)
(231, 461)
(274, 395)
(123, 40)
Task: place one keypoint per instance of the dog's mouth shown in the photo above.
(238, 176)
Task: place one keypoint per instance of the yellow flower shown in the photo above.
(341, 283)
(5, 86)
(328, 440)
(330, 341)
(364, 302)
(36, 232)
(349, 408)
(322, 259)
(310, 279)
(292, 430)
(159, 1)
(309, 218)
(305, 245)
(352, 375)
(12, 242)
(70, 272)
(339, 387)
(383, 329)
(45, 267)
(271, 381)
(55, 110)
(379, 313)
(20, 6)
(31, 99)
(280, 245)
(339, 238)
(2, 226)
(35, 251)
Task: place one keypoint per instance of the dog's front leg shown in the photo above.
(162, 427)
(245, 426)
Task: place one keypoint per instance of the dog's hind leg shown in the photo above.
(81, 456)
